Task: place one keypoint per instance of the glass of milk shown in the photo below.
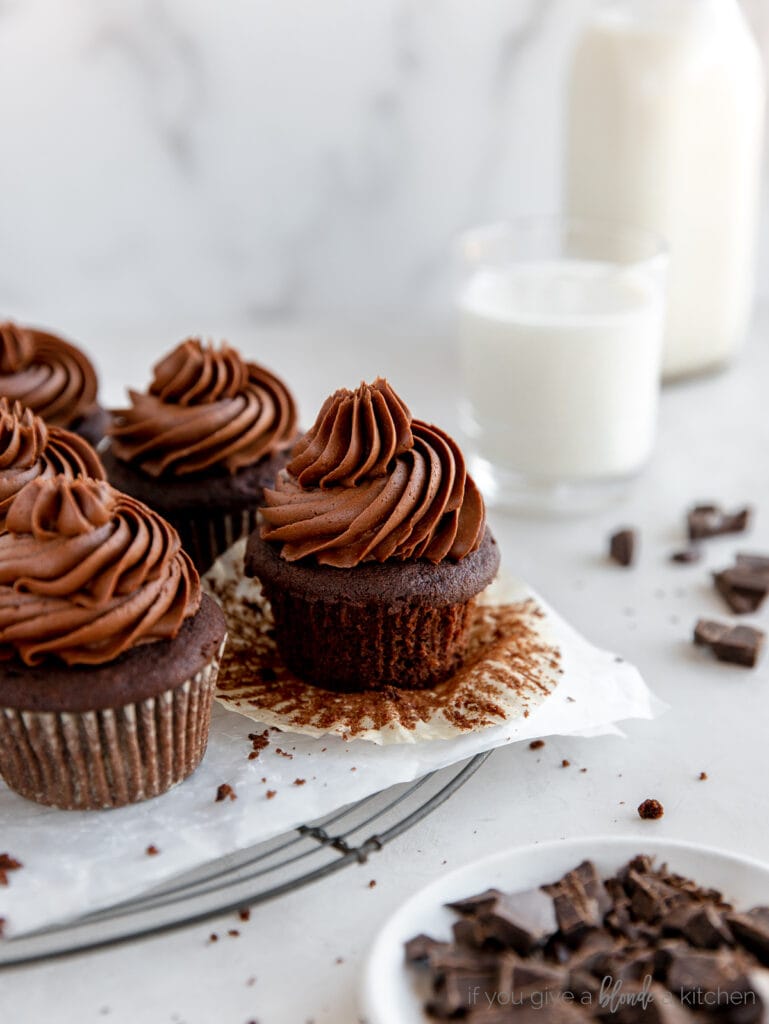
(560, 332)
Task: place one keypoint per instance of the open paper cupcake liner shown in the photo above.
(512, 664)
(110, 758)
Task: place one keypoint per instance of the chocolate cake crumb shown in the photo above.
(565, 763)
(284, 753)
(271, 793)
(259, 740)
(622, 545)
(299, 782)
(650, 810)
(224, 791)
(583, 769)
(372, 883)
(213, 937)
(703, 776)
(233, 933)
(152, 850)
(8, 863)
(244, 914)
(536, 744)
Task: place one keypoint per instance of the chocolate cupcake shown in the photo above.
(373, 547)
(202, 444)
(29, 450)
(53, 378)
(108, 653)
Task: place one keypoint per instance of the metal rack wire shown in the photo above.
(304, 855)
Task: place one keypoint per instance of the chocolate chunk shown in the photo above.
(756, 563)
(523, 979)
(738, 645)
(711, 521)
(474, 904)
(420, 947)
(459, 990)
(522, 922)
(751, 931)
(622, 545)
(650, 810)
(715, 975)
(686, 555)
(743, 589)
(444, 957)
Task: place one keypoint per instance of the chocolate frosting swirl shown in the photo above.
(205, 409)
(87, 573)
(368, 483)
(47, 374)
(29, 450)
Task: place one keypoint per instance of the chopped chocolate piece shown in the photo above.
(419, 948)
(522, 922)
(474, 904)
(743, 589)
(706, 929)
(224, 791)
(756, 563)
(444, 957)
(622, 546)
(751, 931)
(740, 646)
(470, 932)
(520, 980)
(576, 912)
(686, 555)
(459, 990)
(650, 810)
(706, 972)
(707, 632)
(711, 521)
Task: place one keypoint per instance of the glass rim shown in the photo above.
(657, 246)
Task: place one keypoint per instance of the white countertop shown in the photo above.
(299, 958)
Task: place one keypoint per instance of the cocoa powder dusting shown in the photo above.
(507, 658)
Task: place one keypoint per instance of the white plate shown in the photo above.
(392, 993)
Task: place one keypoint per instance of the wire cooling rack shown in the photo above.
(304, 855)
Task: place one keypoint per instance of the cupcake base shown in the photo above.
(89, 737)
(401, 624)
(210, 512)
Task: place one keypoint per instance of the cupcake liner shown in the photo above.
(98, 759)
(409, 647)
(207, 534)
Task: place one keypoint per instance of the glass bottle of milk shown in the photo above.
(665, 117)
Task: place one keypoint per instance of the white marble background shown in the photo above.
(247, 160)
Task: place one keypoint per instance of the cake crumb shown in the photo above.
(299, 782)
(152, 850)
(259, 740)
(650, 810)
(213, 937)
(565, 763)
(233, 932)
(8, 863)
(583, 770)
(703, 776)
(536, 744)
(244, 914)
(284, 753)
(271, 793)
(224, 791)
(250, 982)
(372, 884)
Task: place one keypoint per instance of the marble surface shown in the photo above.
(299, 959)
(267, 160)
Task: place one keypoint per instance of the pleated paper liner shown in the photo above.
(512, 665)
(98, 759)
